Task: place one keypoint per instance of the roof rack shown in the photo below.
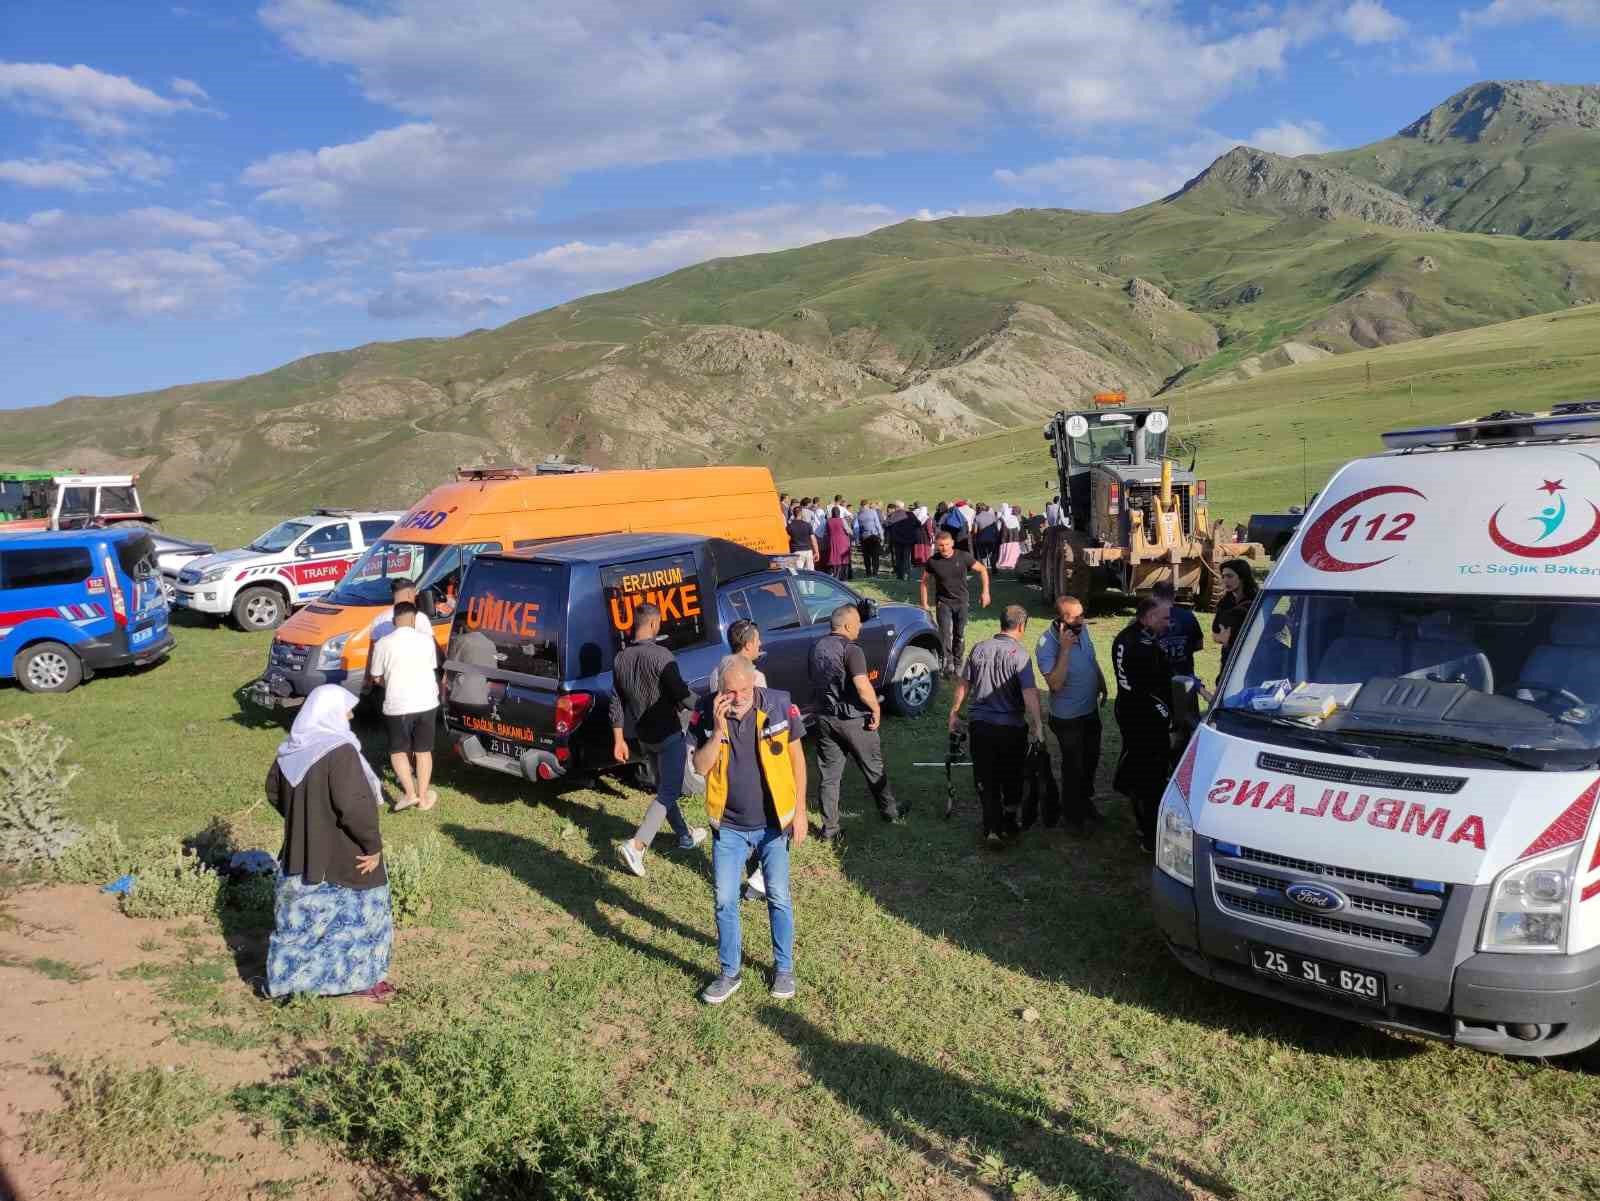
(1576, 419)
(333, 512)
(491, 471)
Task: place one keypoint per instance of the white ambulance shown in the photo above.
(1389, 814)
(291, 564)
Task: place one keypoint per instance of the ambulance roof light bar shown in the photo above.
(1576, 419)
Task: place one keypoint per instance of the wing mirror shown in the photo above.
(868, 608)
(304, 550)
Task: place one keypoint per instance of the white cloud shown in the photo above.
(1440, 54)
(65, 174)
(1581, 13)
(188, 87)
(583, 266)
(1367, 22)
(833, 181)
(93, 100)
(140, 263)
(507, 95)
(1291, 138)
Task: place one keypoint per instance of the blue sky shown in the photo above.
(205, 190)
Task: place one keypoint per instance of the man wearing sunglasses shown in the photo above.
(1077, 690)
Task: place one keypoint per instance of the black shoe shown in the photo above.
(898, 814)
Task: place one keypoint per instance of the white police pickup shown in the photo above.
(294, 562)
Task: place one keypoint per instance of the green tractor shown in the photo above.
(1130, 517)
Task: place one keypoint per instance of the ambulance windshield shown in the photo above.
(1508, 680)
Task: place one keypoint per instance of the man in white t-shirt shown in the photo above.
(404, 663)
(402, 590)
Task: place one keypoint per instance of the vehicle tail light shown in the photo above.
(119, 603)
(545, 773)
(571, 709)
(1115, 502)
(1200, 491)
(563, 753)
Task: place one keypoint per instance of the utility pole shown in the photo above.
(1369, 375)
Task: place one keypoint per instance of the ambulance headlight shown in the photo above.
(1175, 839)
(1528, 907)
(332, 653)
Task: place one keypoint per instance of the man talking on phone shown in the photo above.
(1077, 690)
(747, 742)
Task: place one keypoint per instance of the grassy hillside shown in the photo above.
(1248, 436)
(837, 355)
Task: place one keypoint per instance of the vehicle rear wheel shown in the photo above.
(260, 608)
(49, 667)
(916, 677)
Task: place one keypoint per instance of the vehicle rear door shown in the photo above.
(786, 636)
(135, 558)
(321, 559)
(503, 665)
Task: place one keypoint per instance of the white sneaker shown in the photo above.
(755, 888)
(696, 837)
(631, 856)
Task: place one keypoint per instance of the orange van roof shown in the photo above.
(487, 510)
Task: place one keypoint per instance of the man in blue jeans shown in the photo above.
(747, 743)
(648, 693)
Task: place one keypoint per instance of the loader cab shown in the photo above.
(1126, 444)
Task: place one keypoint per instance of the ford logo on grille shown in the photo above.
(1315, 896)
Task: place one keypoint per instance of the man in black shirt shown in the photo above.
(648, 692)
(847, 720)
(1144, 713)
(803, 540)
(948, 568)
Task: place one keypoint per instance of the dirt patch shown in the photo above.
(97, 1012)
(1440, 1182)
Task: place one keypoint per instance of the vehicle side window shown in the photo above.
(330, 539)
(770, 606)
(371, 531)
(821, 596)
(44, 568)
(118, 500)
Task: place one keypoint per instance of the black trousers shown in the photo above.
(999, 754)
(902, 561)
(952, 633)
(839, 739)
(1145, 762)
(871, 553)
(1079, 740)
(988, 550)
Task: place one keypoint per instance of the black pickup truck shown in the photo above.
(1274, 530)
(527, 674)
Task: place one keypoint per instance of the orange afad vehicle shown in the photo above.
(503, 509)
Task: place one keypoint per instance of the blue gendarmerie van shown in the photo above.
(73, 603)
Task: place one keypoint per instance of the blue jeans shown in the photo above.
(670, 757)
(729, 852)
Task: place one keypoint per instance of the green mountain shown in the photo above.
(1517, 157)
(838, 355)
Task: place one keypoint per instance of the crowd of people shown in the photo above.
(741, 742)
(827, 537)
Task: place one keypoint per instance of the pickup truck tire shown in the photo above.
(49, 667)
(260, 608)
(916, 679)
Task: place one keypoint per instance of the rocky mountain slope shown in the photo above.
(1271, 183)
(1516, 157)
(833, 356)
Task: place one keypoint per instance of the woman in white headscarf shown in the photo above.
(1010, 537)
(332, 928)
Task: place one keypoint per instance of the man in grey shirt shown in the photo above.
(1005, 715)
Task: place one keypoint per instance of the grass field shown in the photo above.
(969, 1024)
(1248, 437)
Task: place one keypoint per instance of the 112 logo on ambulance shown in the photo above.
(1365, 529)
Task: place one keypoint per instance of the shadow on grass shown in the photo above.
(589, 891)
(910, 1101)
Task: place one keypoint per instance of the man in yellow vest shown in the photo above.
(747, 741)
